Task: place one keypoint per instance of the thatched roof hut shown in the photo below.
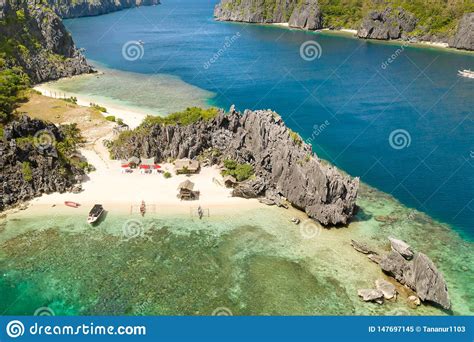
(186, 166)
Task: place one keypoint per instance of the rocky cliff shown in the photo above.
(387, 24)
(464, 38)
(304, 14)
(34, 38)
(284, 165)
(31, 163)
(374, 19)
(74, 9)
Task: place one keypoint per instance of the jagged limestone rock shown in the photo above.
(401, 247)
(29, 169)
(284, 165)
(387, 24)
(464, 38)
(304, 14)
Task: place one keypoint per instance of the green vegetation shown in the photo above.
(434, 16)
(184, 118)
(296, 137)
(98, 107)
(110, 118)
(167, 175)
(26, 170)
(71, 99)
(241, 172)
(13, 84)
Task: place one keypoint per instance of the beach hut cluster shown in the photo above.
(186, 191)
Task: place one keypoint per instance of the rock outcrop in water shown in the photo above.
(416, 271)
(30, 163)
(464, 38)
(284, 165)
(304, 14)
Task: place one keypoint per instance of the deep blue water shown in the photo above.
(363, 103)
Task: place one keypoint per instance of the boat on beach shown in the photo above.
(95, 213)
(466, 73)
(72, 204)
(143, 208)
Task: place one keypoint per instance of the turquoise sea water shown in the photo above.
(345, 101)
(255, 262)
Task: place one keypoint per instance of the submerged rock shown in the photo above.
(362, 247)
(371, 295)
(414, 301)
(401, 247)
(387, 288)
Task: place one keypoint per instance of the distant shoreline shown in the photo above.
(351, 33)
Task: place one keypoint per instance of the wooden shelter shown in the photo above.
(186, 191)
(186, 166)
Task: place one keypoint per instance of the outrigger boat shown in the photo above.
(200, 212)
(95, 213)
(143, 208)
(72, 204)
(466, 73)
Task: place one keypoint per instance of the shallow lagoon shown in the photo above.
(250, 263)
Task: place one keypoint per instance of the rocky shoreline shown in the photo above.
(413, 270)
(31, 163)
(392, 23)
(47, 51)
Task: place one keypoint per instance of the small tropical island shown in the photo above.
(247, 192)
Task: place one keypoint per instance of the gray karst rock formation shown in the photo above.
(73, 8)
(284, 165)
(419, 274)
(387, 24)
(51, 53)
(464, 38)
(401, 247)
(299, 14)
(29, 171)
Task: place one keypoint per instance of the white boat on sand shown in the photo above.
(95, 213)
